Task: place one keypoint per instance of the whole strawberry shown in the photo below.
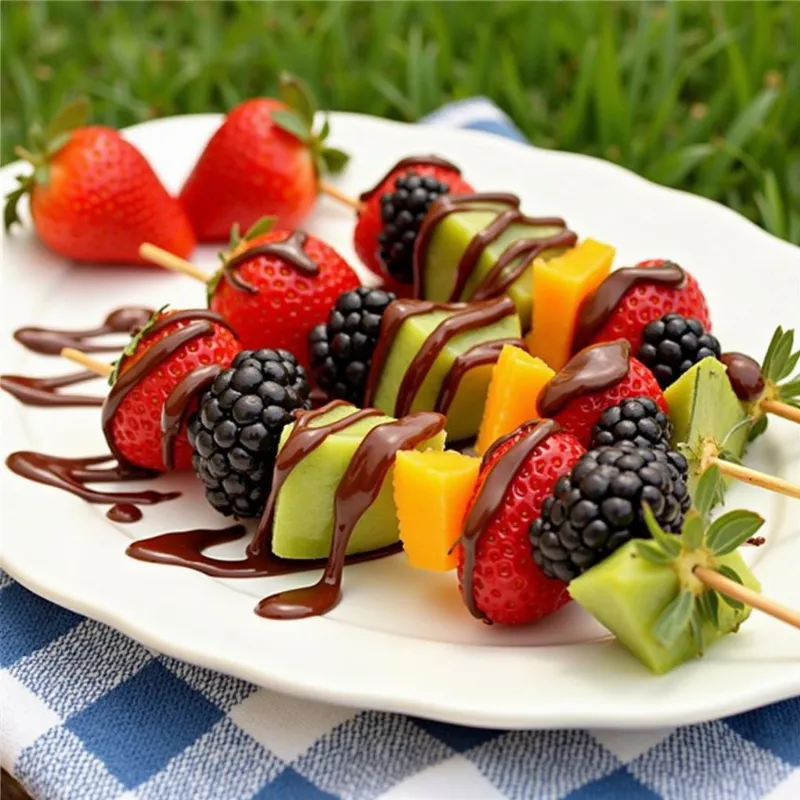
(276, 286)
(265, 159)
(94, 197)
(598, 377)
(498, 577)
(152, 378)
(392, 212)
(644, 301)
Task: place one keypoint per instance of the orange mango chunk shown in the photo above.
(517, 380)
(432, 491)
(560, 286)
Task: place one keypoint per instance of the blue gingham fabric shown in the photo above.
(88, 713)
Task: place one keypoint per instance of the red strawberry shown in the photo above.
(370, 224)
(94, 197)
(135, 428)
(580, 413)
(286, 298)
(507, 586)
(265, 159)
(645, 302)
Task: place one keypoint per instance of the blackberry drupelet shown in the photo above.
(598, 506)
(341, 350)
(402, 212)
(673, 344)
(638, 420)
(237, 428)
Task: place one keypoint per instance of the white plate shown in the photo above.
(400, 639)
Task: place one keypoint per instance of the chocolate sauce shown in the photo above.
(289, 250)
(359, 488)
(51, 341)
(466, 317)
(410, 161)
(745, 376)
(598, 307)
(73, 474)
(489, 501)
(44, 392)
(124, 512)
(593, 369)
(477, 356)
(512, 262)
(187, 549)
(177, 405)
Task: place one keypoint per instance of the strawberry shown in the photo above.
(507, 586)
(581, 413)
(646, 302)
(274, 298)
(94, 197)
(135, 427)
(264, 159)
(370, 223)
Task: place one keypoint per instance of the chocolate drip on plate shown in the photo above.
(357, 491)
(124, 512)
(410, 162)
(745, 376)
(44, 392)
(489, 501)
(290, 250)
(593, 369)
(596, 310)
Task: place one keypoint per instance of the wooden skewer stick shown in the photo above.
(338, 194)
(780, 409)
(167, 260)
(756, 478)
(747, 596)
(92, 364)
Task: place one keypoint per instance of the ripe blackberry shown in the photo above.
(341, 350)
(598, 506)
(638, 420)
(402, 212)
(673, 344)
(238, 424)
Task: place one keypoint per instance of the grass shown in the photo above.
(698, 96)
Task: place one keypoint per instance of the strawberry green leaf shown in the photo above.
(297, 95)
(693, 530)
(669, 544)
(134, 342)
(259, 227)
(56, 143)
(766, 365)
(790, 390)
(732, 530)
(697, 628)
(11, 211)
(708, 603)
(727, 455)
(234, 238)
(710, 490)
(789, 365)
(72, 115)
(650, 551)
(292, 123)
(674, 619)
(213, 282)
(732, 575)
(41, 174)
(759, 426)
(335, 160)
(326, 129)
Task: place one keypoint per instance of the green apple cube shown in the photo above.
(450, 240)
(627, 594)
(304, 508)
(464, 416)
(705, 412)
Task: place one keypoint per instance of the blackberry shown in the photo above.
(402, 212)
(341, 350)
(238, 424)
(638, 420)
(598, 506)
(673, 344)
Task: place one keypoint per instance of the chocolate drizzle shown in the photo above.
(489, 501)
(124, 512)
(289, 250)
(358, 489)
(596, 309)
(477, 356)
(513, 261)
(410, 161)
(593, 369)
(745, 376)
(44, 392)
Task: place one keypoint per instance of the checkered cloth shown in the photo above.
(88, 713)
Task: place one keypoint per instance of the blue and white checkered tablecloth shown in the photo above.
(88, 713)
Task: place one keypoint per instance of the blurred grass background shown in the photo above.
(701, 96)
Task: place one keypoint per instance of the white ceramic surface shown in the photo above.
(400, 639)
